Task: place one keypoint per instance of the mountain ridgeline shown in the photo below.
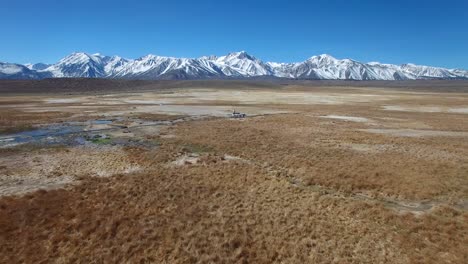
(235, 65)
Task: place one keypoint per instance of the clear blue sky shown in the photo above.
(423, 32)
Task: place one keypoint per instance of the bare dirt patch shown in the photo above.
(56, 167)
(416, 133)
(427, 109)
(348, 118)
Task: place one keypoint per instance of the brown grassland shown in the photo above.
(305, 184)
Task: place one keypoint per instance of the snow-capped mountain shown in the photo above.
(233, 65)
(158, 67)
(426, 71)
(17, 71)
(242, 64)
(79, 64)
(37, 66)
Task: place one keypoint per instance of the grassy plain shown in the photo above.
(314, 174)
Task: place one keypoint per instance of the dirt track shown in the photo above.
(350, 175)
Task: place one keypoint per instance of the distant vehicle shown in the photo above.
(238, 115)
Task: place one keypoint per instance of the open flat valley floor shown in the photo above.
(311, 175)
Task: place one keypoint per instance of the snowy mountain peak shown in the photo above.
(78, 64)
(148, 57)
(242, 64)
(36, 66)
(77, 57)
(324, 58)
(210, 57)
(240, 55)
(78, 54)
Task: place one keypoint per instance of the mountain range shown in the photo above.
(233, 65)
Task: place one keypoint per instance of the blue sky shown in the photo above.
(422, 32)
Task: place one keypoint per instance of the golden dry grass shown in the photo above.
(312, 149)
(292, 195)
(218, 212)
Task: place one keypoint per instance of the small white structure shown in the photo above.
(237, 115)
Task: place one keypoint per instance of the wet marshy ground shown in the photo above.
(99, 131)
